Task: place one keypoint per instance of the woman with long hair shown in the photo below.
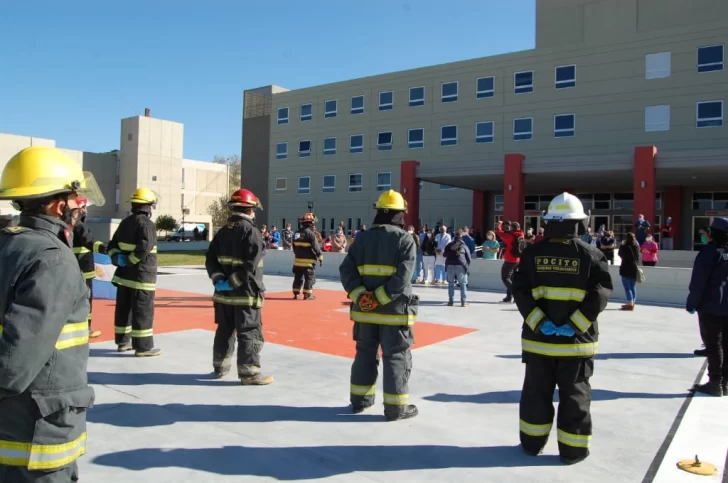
(629, 252)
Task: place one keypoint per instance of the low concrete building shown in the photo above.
(151, 156)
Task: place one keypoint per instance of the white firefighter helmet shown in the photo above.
(565, 207)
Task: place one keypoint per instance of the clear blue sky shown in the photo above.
(71, 70)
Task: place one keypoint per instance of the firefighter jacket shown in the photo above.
(306, 248)
(236, 255)
(44, 311)
(707, 284)
(382, 261)
(84, 247)
(136, 238)
(566, 281)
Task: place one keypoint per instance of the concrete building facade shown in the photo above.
(151, 156)
(621, 102)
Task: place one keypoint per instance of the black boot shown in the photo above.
(409, 411)
(507, 300)
(531, 451)
(360, 409)
(701, 352)
(573, 461)
(712, 388)
(220, 373)
(725, 388)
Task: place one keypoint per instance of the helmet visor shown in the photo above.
(90, 190)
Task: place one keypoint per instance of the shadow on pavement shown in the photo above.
(108, 353)
(509, 397)
(625, 355)
(207, 298)
(143, 415)
(314, 462)
(158, 378)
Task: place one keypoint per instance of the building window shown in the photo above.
(523, 82)
(384, 141)
(330, 108)
(154, 178)
(386, 101)
(416, 96)
(565, 76)
(329, 185)
(710, 59)
(446, 187)
(357, 105)
(281, 150)
(116, 206)
(329, 146)
(449, 92)
(657, 118)
(416, 138)
(484, 87)
(183, 178)
(118, 170)
(304, 185)
(129, 137)
(498, 202)
(306, 112)
(384, 181)
(304, 149)
(658, 66)
(523, 129)
(281, 185)
(356, 143)
(710, 114)
(282, 115)
(564, 125)
(355, 182)
(484, 132)
(623, 201)
(448, 135)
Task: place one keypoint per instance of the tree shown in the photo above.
(234, 170)
(166, 223)
(219, 211)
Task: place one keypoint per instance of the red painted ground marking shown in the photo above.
(319, 325)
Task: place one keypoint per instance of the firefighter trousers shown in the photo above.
(573, 422)
(246, 322)
(714, 332)
(90, 285)
(395, 343)
(20, 474)
(304, 279)
(134, 317)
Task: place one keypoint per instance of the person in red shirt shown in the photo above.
(327, 244)
(540, 235)
(509, 232)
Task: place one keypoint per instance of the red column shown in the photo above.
(514, 191)
(480, 200)
(410, 189)
(671, 207)
(644, 183)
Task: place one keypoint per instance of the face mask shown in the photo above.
(703, 239)
(70, 216)
(429, 235)
(339, 232)
(490, 237)
(411, 232)
(642, 219)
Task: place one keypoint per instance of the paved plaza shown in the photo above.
(166, 420)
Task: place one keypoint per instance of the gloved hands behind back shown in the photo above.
(691, 311)
(565, 331)
(548, 327)
(223, 286)
(121, 260)
(367, 302)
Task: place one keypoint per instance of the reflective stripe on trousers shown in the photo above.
(41, 456)
(150, 287)
(239, 301)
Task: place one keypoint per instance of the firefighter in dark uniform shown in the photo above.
(306, 252)
(44, 393)
(133, 250)
(235, 265)
(84, 246)
(708, 297)
(561, 286)
(377, 275)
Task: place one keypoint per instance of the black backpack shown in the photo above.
(519, 244)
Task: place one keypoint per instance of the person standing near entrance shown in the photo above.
(642, 228)
(133, 250)
(442, 239)
(512, 236)
(666, 234)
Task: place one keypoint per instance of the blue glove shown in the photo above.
(223, 286)
(548, 327)
(691, 311)
(121, 260)
(565, 331)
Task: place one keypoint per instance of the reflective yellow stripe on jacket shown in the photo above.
(230, 261)
(558, 293)
(383, 319)
(301, 244)
(89, 275)
(151, 287)
(377, 270)
(73, 335)
(239, 301)
(586, 349)
(42, 456)
(304, 262)
(130, 247)
(80, 250)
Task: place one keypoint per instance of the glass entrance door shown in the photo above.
(533, 222)
(700, 223)
(600, 222)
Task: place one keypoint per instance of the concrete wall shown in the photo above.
(666, 286)
(103, 167)
(203, 183)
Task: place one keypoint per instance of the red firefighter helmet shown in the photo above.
(308, 218)
(245, 198)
